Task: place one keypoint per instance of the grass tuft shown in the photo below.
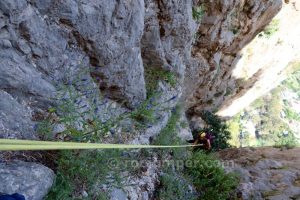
(154, 75)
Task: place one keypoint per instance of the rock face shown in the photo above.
(266, 173)
(168, 34)
(29, 179)
(226, 28)
(15, 118)
(141, 186)
(261, 74)
(42, 41)
(47, 43)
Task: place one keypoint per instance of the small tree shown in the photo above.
(218, 129)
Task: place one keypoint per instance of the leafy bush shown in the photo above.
(209, 178)
(288, 141)
(198, 12)
(219, 129)
(271, 29)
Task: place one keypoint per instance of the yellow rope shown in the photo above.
(27, 145)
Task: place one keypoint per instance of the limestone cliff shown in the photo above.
(225, 30)
(266, 173)
(117, 42)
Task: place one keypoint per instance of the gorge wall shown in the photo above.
(225, 30)
(45, 43)
(42, 40)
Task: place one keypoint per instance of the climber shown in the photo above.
(14, 196)
(204, 139)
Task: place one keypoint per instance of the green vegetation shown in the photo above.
(271, 116)
(205, 173)
(77, 110)
(184, 124)
(201, 169)
(239, 136)
(45, 127)
(198, 12)
(219, 129)
(271, 122)
(228, 92)
(291, 114)
(210, 179)
(287, 141)
(271, 29)
(173, 187)
(234, 127)
(234, 22)
(293, 81)
(79, 170)
(168, 135)
(154, 75)
(258, 103)
(144, 113)
(268, 123)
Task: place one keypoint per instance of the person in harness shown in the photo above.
(204, 140)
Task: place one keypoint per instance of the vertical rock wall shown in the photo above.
(45, 42)
(226, 28)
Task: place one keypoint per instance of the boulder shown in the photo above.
(29, 179)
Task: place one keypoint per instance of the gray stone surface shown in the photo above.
(29, 179)
(118, 194)
(266, 173)
(168, 35)
(43, 42)
(109, 33)
(14, 118)
(269, 164)
(139, 186)
(184, 132)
